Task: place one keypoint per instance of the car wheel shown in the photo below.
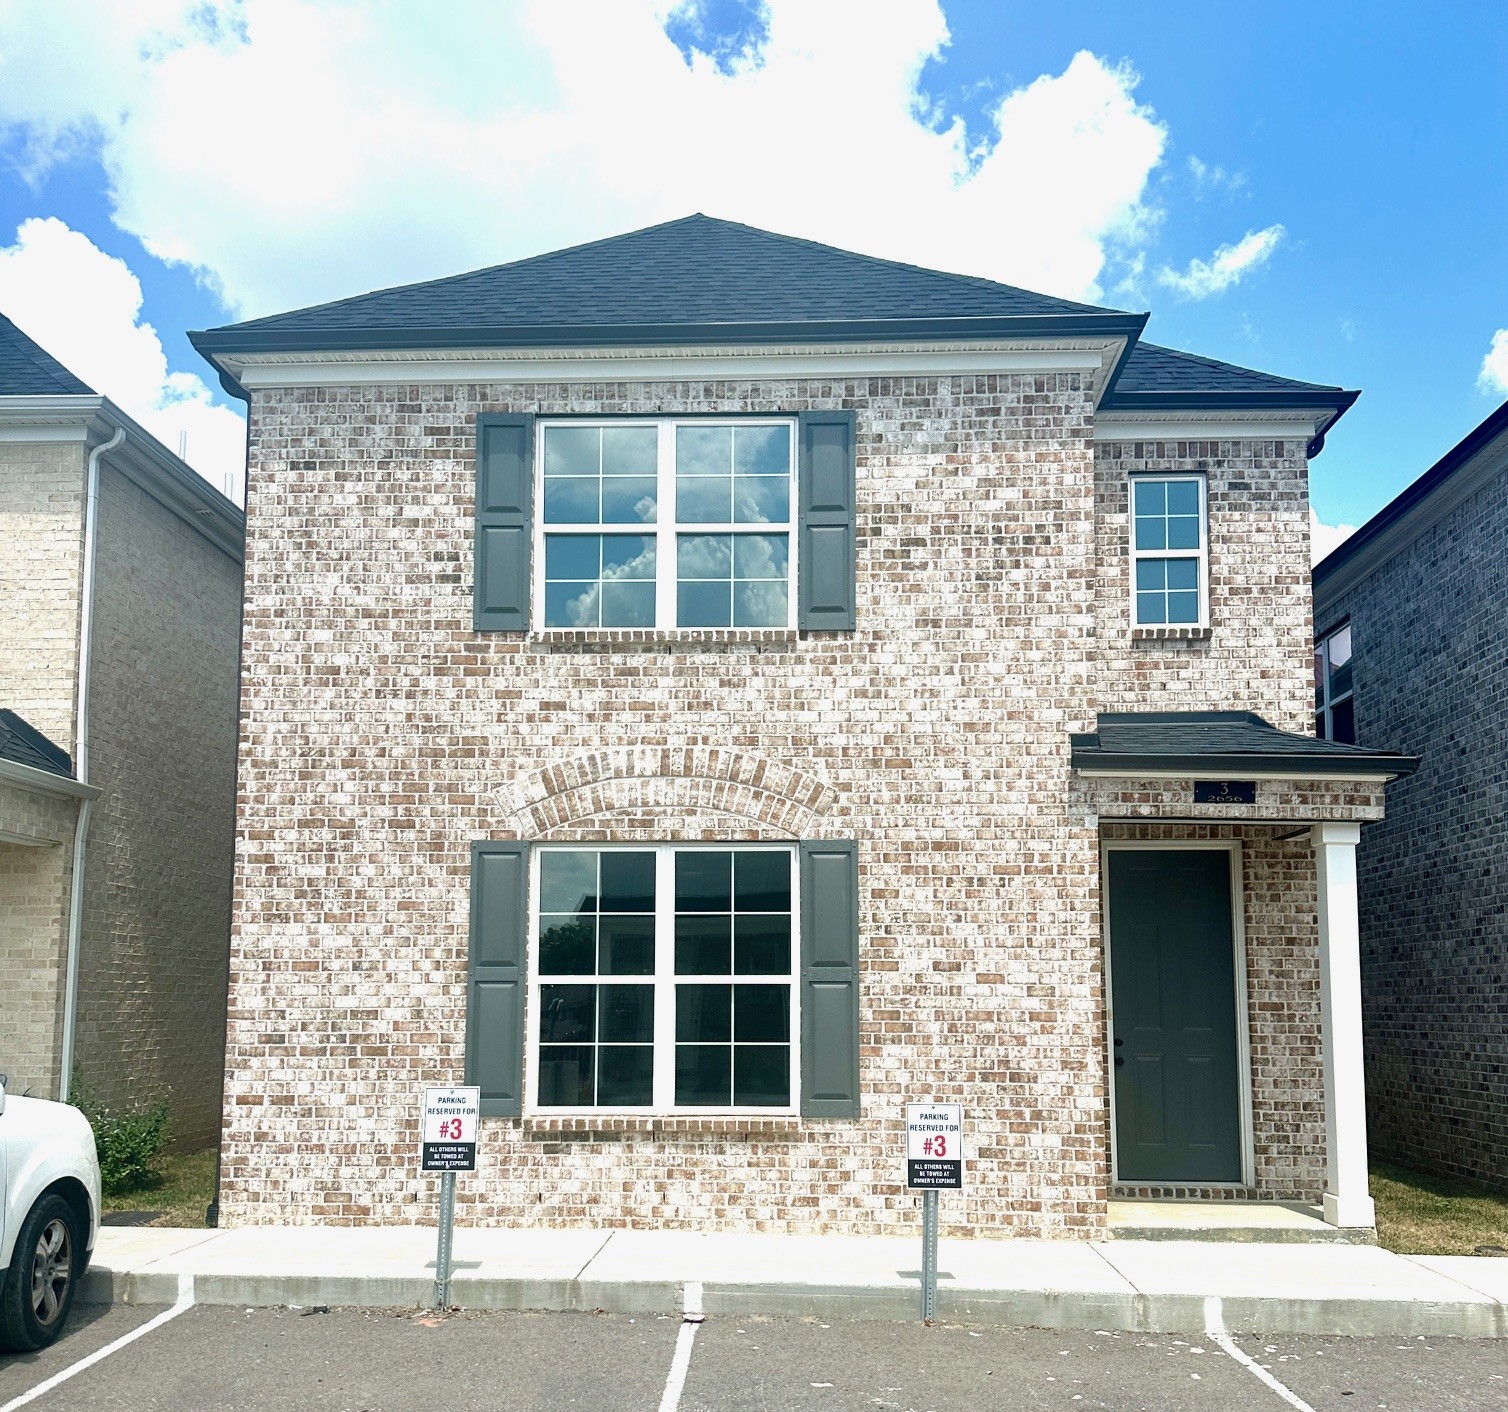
(44, 1268)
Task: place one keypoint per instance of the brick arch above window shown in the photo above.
(749, 793)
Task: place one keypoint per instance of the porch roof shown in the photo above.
(1238, 743)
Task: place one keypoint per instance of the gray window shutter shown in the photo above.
(495, 977)
(504, 477)
(830, 980)
(825, 593)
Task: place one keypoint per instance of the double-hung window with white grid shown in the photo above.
(665, 523)
(1169, 551)
(662, 979)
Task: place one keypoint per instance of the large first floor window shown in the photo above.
(661, 978)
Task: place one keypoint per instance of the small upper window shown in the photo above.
(666, 524)
(1168, 551)
(1334, 704)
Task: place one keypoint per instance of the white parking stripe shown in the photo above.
(1214, 1326)
(680, 1364)
(185, 1301)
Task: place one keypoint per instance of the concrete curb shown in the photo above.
(1151, 1287)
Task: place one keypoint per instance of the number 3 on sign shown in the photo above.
(451, 1128)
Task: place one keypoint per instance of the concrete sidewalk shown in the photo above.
(1148, 1286)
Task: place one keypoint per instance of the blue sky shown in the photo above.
(1318, 190)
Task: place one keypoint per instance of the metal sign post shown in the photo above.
(934, 1162)
(448, 1145)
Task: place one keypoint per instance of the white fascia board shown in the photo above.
(54, 417)
(1207, 426)
(256, 372)
(37, 781)
(91, 420)
(1244, 773)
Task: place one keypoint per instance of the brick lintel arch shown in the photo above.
(670, 782)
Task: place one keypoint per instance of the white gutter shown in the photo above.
(81, 757)
(37, 781)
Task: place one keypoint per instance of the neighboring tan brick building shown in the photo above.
(149, 675)
(702, 684)
(1412, 648)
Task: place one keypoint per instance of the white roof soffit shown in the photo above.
(91, 420)
(1095, 356)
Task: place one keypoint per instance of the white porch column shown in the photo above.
(1347, 1201)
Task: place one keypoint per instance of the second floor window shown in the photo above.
(1334, 704)
(1169, 551)
(666, 523)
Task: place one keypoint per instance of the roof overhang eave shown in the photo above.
(1363, 767)
(94, 419)
(213, 342)
(1334, 402)
(36, 781)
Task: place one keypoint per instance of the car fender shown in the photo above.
(45, 1143)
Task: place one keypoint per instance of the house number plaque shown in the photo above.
(1225, 791)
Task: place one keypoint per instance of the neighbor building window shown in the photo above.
(662, 978)
(1334, 703)
(1169, 551)
(666, 523)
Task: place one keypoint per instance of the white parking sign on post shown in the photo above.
(934, 1146)
(447, 1144)
(934, 1162)
(448, 1136)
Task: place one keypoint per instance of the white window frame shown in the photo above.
(666, 528)
(664, 982)
(1201, 555)
(1324, 709)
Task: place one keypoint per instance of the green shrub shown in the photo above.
(129, 1142)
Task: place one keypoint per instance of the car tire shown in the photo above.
(44, 1274)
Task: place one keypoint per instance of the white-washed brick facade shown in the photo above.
(382, 736)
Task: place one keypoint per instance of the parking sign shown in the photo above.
(448, 1137)
(934, 1146)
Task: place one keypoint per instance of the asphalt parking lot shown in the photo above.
(368, 1360)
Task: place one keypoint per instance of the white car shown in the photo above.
(49, 1178)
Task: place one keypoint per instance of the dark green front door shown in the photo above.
(1173, 988)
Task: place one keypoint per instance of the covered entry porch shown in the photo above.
(1233, 1042)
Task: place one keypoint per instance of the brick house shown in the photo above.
(1411, 647)
(709, 688)
(121, 579)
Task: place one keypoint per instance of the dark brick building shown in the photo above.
(1412, 650)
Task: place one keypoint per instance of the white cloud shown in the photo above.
(84, 307)
(292, 151)
(1324, 538)
(1210, 176)
(1493, 377)
(1228, 265)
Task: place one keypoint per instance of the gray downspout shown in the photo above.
(81, 758)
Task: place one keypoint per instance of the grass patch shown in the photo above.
(181, 1188)
(1424, 1215)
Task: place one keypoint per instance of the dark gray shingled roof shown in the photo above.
(29, 370)
(24, 744)
(1240, 742)
(700, 280)
(1153, 374)
(697, 270)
